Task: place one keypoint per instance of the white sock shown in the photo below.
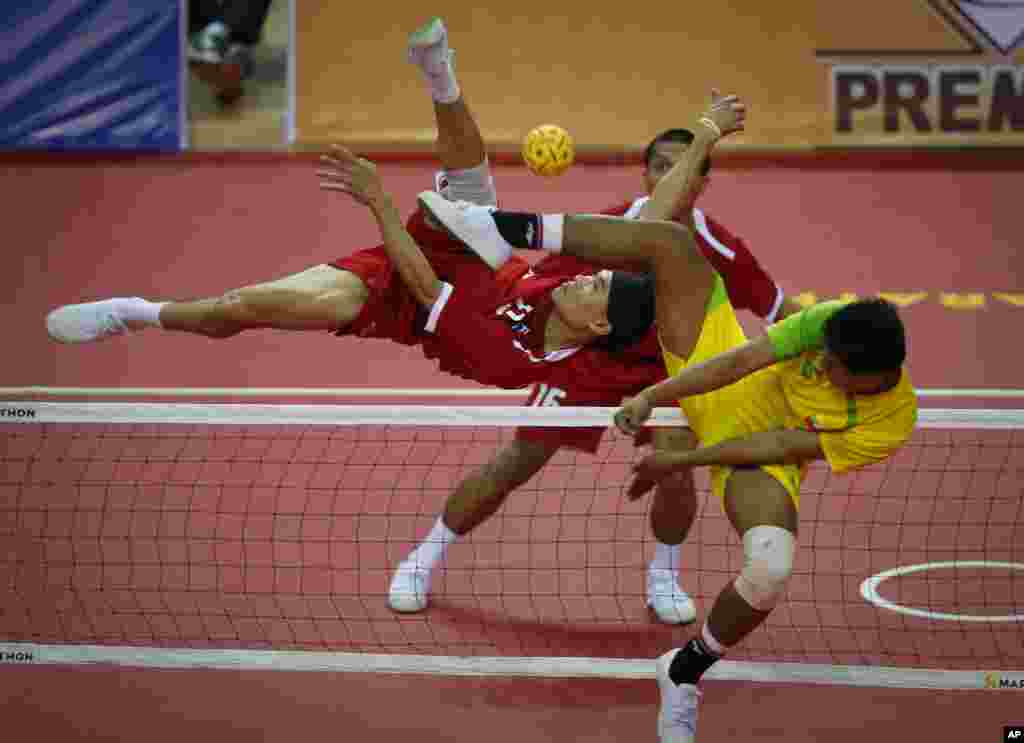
(431, 550)
(666, 556)
(552, 229)
(138, 313)
(444, 88)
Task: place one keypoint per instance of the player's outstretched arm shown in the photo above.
(345, 172)
(677, 190)
(715, 373)
(787, 446)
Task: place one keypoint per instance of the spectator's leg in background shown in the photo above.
(246, 19)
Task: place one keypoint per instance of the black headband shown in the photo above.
(630, 308)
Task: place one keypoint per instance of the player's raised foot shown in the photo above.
(410, 588)
(670, 603)
(91, 321)
(469, 223)
(677, 716)
(428, 48)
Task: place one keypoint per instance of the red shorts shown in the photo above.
(580, 439)
(390, 310)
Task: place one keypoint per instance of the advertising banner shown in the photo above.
(815, 74)
(91, 75)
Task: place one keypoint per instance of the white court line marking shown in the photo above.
(330, 392)
(355, 392)
(32, 654)
(869, 590)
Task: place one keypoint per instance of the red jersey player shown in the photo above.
(518, 321)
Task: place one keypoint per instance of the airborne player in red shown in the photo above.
(579, 335)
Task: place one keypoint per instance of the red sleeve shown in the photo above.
(749, 285)
(617, 210)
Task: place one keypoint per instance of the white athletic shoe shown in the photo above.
(670, 602)
(410, 587)
(469, 223)
(83, 323)
(677, 717)
(428, 48)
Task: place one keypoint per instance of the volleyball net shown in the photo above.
(265, 535)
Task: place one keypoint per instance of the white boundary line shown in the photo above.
(31, 654)
(869, 590)
(362, 392)
(245, 414)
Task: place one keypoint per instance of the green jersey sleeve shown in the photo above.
(804, 331)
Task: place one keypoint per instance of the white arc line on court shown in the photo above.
(869, 590)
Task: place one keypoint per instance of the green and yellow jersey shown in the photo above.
(854, 430)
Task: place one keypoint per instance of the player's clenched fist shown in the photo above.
(634, 412)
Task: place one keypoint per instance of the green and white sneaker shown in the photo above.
(428, 48)
(209, 45)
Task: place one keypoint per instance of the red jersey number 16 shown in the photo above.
(545, 396)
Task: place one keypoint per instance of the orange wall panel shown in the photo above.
(615, 74)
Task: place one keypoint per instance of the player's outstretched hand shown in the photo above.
(631, 417)
(650, 470)
(727, 112)
(346, 172)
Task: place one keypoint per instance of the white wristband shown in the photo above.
(711, 125)
(552, 231)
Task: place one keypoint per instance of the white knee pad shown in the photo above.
(475, 185)
(769, 563)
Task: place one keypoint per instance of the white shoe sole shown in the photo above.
(491, 249)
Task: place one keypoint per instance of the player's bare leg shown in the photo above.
(673, 512)
(459, 144)
(683, 278)
(319, 298)
(473, 501)
(764, 515)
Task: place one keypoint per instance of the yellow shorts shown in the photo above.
(752, 405)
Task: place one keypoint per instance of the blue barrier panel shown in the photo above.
(91, 75)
